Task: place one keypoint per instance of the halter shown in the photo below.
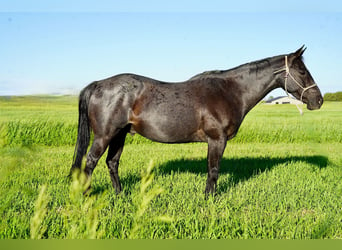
(287, 75)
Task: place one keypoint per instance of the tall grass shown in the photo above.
(80, 213)
(147, 194)
(38, 133)
(57, 133)
(53, 122)
(37, 229)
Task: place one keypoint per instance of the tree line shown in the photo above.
(335, 97)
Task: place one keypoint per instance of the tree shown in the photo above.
(334, 97)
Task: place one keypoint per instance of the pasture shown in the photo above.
(280, 178)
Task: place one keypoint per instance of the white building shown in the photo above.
(283, 100)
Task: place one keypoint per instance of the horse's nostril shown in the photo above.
(320, 101)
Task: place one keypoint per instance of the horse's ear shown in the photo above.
(300, 51)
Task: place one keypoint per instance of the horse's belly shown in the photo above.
(164, 129)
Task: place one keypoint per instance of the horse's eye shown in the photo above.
(301, 69)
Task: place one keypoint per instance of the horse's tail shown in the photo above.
(83, 135)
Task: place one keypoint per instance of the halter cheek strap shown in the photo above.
(287, 75)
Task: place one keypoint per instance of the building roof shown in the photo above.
(281, 97)
(274, 99)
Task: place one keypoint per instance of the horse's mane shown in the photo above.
(253, 66)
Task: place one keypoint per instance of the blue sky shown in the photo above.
(60, 47)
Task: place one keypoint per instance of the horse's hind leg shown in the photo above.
(96, 151)
(114, 152)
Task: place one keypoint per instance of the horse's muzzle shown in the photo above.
(315, 104)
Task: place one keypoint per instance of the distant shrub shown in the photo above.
(333, 97)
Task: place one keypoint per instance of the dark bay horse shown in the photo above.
(207, 108)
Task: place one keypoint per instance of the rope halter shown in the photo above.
(287, 75)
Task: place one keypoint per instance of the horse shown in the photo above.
(208, 107)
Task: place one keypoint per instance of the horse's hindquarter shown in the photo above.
(109, 104)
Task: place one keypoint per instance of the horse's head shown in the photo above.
(299, 82)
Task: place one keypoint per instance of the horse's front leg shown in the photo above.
(215, 151)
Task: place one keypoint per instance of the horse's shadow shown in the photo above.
(239, 169)
(127, 182)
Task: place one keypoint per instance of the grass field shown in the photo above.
(281, 178)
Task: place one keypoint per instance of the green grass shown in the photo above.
(288, 192)
(284, 188)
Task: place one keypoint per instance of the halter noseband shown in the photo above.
(287, 75)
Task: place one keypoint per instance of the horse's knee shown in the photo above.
(90, 163)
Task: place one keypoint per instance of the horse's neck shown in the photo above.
(256, 81)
